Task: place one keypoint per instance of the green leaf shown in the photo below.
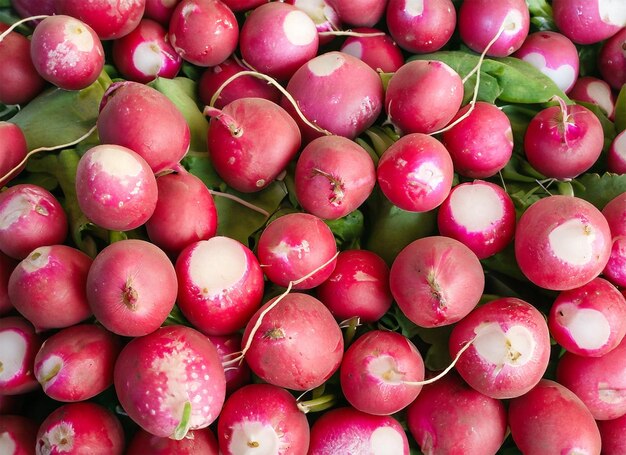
(541, 14)
(620, 110)
(600, 189)
(200, 165)
(504, 262)
(348, 230)
(588, 59)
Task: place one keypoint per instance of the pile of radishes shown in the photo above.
(313, 227)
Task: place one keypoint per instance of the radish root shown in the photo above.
(20, 22)
(240, 201)
(350, 33)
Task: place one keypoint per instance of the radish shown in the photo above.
(361, 13)
(612, 59)
(30, 217)
(277, 38)
(510, 347)
(375, 48)
(7, 265)
(243, 5)
(615, 214)
(615, 269)
(28, 8)
(562, 242)
(160, 10)
(227, 347)
(588, 21)
(66, 52)
(80, 428)
(616, 158)
(203, 32)
(220, 285)
(130, 115)
(116, 187)
(415, 173)
(20, 345)
(131, 287)
(596, 91)
(262, 418)
(436, 281)
(613, 435)
(48, 287)
(323, 15)
(17, 435)
(279, 340)
(110, 19)
(170, 381)
(551, 419)
(379, 371)
(333, 177)
(479, 214)
(421, 26)
(589, 320)
(13, 150)
(358, 286)
(479, 422)
(346, 430)
(76, 363)
(196, 442)
(294, 246)
(145, 53)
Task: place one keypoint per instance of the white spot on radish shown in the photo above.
(188, 9)
(386, 441)
(36, 260)
(217, 265)
(253, 437)
(619, 145)
(612, 12)
(571, 242)
(147, 58)
(601, 94)
(607, 394)
(21, 204)
(514, 347)
(362, 277)
(563, 76)
(383, 367)
(354, 48)
(77, 34)
(58, 439)
(414, 8)
(589, 328)
(476, 207)
(299, 29)
(14, 347)
(326, 64)
(116, 163)
(513, 22)
(427, 175)
(48, 371)
(7, 443)
(260, 183)
(284, 249)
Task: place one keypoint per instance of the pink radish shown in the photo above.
(220, 285)
(361, 13)
(588, 21)
(612, 59)
(616, 159)
(20, 345)
(170, 381)
(13, 150)
(131, 287)
(228, 346)
(596, 91)
(615, 269)
(17, 435)
(243, 5)
(615, 214)
(7, 265)
(613, 433)
(262, 418)
(381, 53)
(196, 442)
(110, 19)
(160, 10)
(323, 15)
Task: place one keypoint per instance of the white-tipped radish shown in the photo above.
(588, 21)
(110, 19)
(20, 345)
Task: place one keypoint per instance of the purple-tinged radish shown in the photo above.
(131, 287)
(562, 242)
(588, 21)
(77, 363)
(596, 91)
(436, 281)
(7, 265)
(479, 214)
(359, 13)
(237, 375)
(616, 157)
(359, 286)
(510, 347)
(612, 58)
(20, 344)
(294, 342)
(17, 435)
(160, 10)
(48, 287)
(295, 245)
(379, 51)
(613, 433)
(110, 19)
(66, 52)
(415, 173)
(347, 430)
(323, 15)
(29, 8)
(551, 419)
(13, 150)
(170, 381)
(82, 427)
(262, 418)
(220, 285)
(196, 442)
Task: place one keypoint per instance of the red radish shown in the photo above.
(243, 5)
(30, 217)
(227, 347)
(220, 285)
(377, 372)
(346, 430)
(323, 15)
(82, 427)
(160, 10)
(242, 134)
(479, 214)
(615, 214)
(19, 80)
(613, 433)
(294, 246)
(196, 442)
(110, 19)
(297, 345)
(116, 188)
(242, 87)
(7, 265)
(13, 150)
(479, 422)
(551, 419)
(482, 143)
(181, 196)
(131, 115)
(361, 13)
(480, 21)
(615, 269)
(612, 58)
(595, 91)
(420, 26)
(20, 345)
(76, 363)
(170, 381)
(589, 320)
(616, 158)
(262, 418)
(334, 176)
(17, 435)
(415, 173)
(436, 281)
(277, 38)
(28, 8)
(203, 32)
(562, 242)
(48, 287)
(145, 53)
(359, 286)
(510, 347)
(66, 52)
(131, 287)
(588, 21)
(423, 96)
(325, 92)
(381, 53)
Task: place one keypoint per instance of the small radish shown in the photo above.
(360, 13)
(76, 363)
(375, 48)
(323, 15)
(7, 265)
(160, 10)
(262, 418)
(595, 91)
(616, 158)
(110, 19)
(17, 435)
(612, 59)
(20, 345)
(237, 375)
(131, 287)
(613, 433)
(170, 381)
(196, 442)
(588, 21)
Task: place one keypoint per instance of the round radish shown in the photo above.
(381, 53)
(323, 15)
(17, 435)
(612, 59)
(596, 91)
(227, 347)
(20, 345)
(613, 433)
(615, 269)
(110, 19)
(588, 21)
(13, 150)
(196, 442)
(616, 158)
(615, 214)
(360, 13)
(243, 5)
(160, 10)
